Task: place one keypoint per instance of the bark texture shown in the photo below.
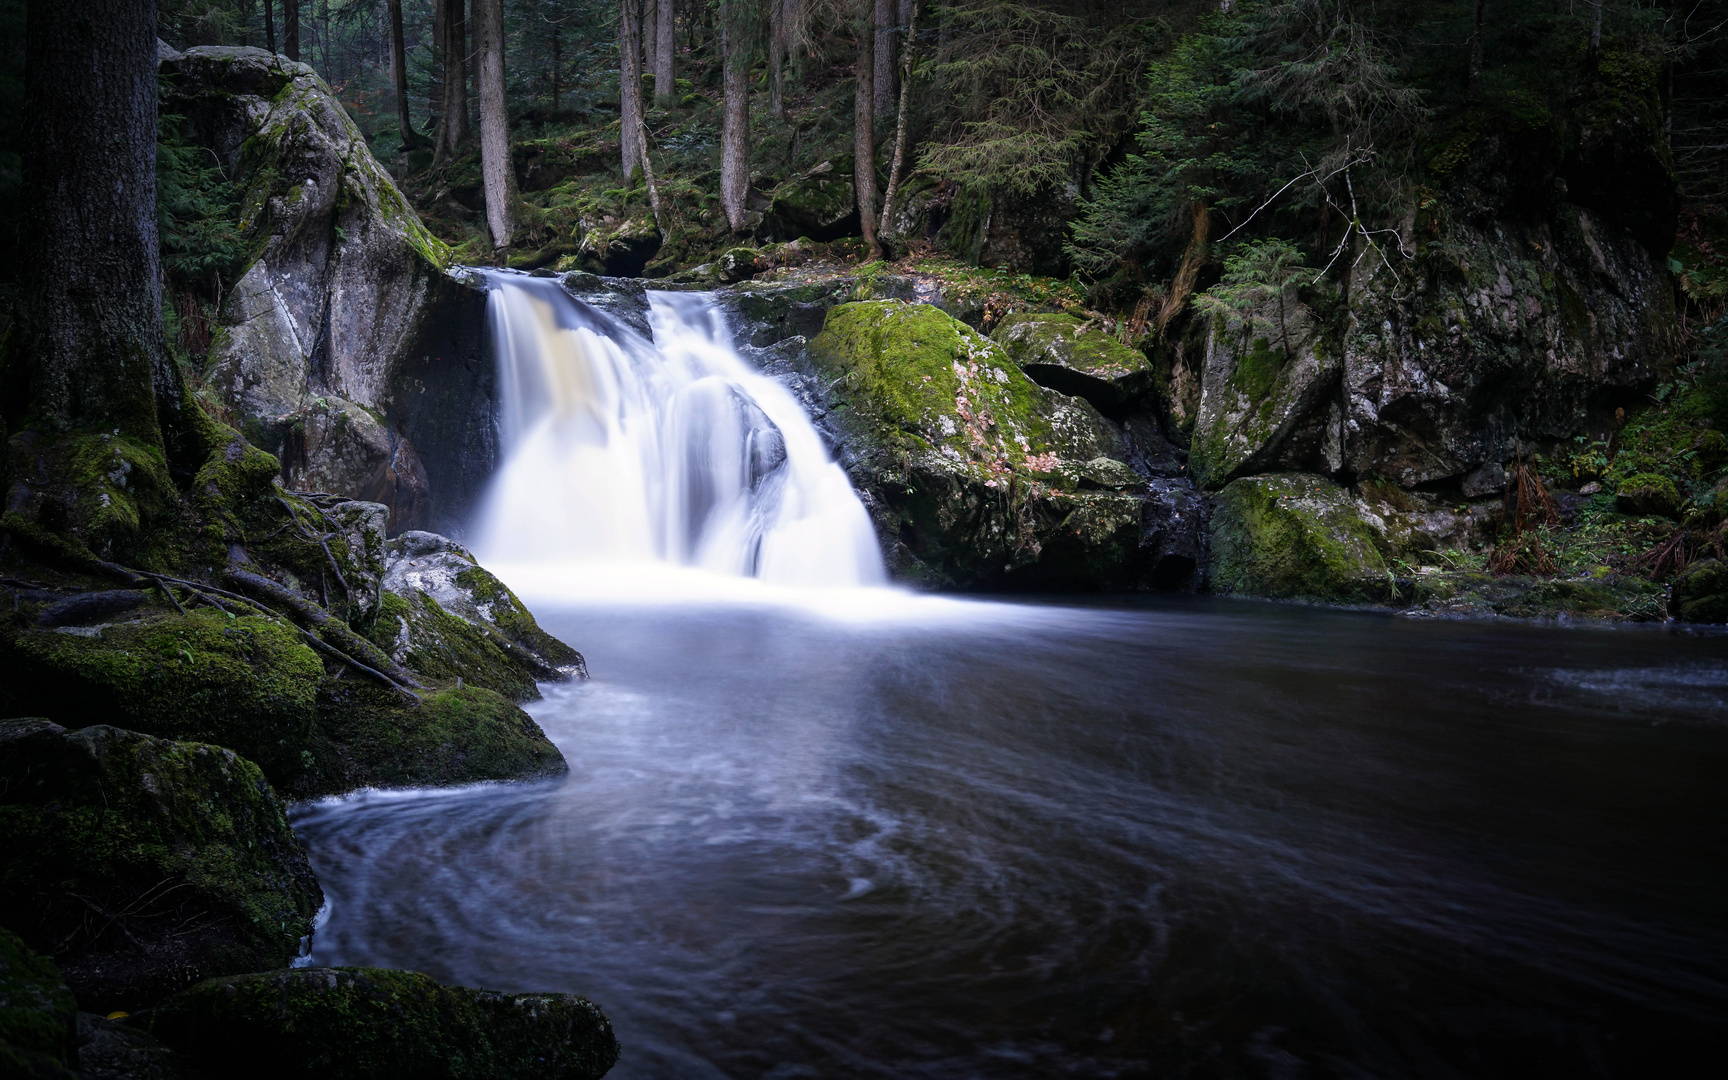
(884, 47)
(864, 138)
(454, 134)
(497, 175)
(87, 349)
(665, 90)
(735, 123)
(270, 24)
(399, 75)
(629, 86)
(290, 29)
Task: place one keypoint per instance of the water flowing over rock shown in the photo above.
(670, 451)
(345, 349)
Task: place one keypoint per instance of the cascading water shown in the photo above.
(670, 452)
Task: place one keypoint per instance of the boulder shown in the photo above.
(1700, 593)
(338, 344)
(38, 1017)
(818, 204)
(1605, 596)
(976, 476)
(618, 246)
(1267, 399)
(143, 864)
(246, 683)
(1071, 356)
(445, 617)
(115, 1049)
(1295, 536)
(372, 1024)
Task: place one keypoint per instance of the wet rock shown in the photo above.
(143, 865)
(247, 683)
(38, 1017)
(1295, 536)
(618, 247)
(975, 475)
(1173, 535)
(445, 617)
(1611, 597)
(1072, 357)
(370, 1023)
(1700, 593)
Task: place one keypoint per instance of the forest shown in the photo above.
(1108, 537)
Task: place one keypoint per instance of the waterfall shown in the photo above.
(671, 452)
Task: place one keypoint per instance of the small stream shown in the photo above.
(1179, 837)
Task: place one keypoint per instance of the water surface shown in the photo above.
(1177, 838)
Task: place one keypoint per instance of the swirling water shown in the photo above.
(1171, 838)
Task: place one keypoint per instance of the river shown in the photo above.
(1176, 837)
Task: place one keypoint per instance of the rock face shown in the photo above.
(1294, 536)
(368, 1023)
(142, 864)
(38, 1017)
(444, 616)
(1701, 593)
(818, 204)
(345, 349)
(976, 475)
(1067, 355)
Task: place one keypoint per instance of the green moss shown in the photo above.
(1701, 592)
(1646, 494)
(247, 683)
(184, 845)
(925, 378)
(353, 1023)
(1294, 536)
(1606, 596)
(513, 619)
(372, 736)
(1032, 338)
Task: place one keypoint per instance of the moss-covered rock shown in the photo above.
(1263, 399)
(38, 1016)
(446, 617)
(1607, 597)
(1648, 494)
(370, 735)
(343, 276)
(976, 475)
(1295, 536)
(142, 864)
(1072, 356)
(818, 204)
(246, 683)
(1701, 593)
(370, 1023)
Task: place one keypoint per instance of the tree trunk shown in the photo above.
(906, 55)
(557, 62)
(1473, 86)
(650, 36)
(630, 105)
(452, 44)
(735, 122)
(1595, 34)
(884, 47)
(497, 174)
(456, 75)
(269, 25)
(291, 29)
(399, 71)
(84, 373)
(1193, 259)
(665, 79)
(629, 87)
(864, 133)
(777, 30)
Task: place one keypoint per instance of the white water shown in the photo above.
(632, 461)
